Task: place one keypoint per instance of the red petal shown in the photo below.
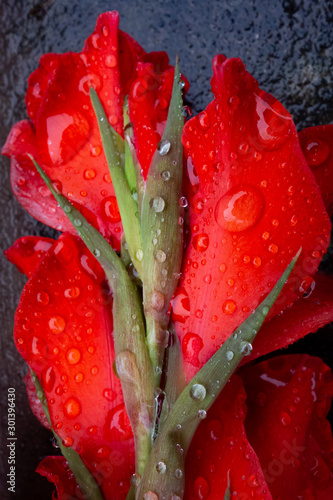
(253, 202)
(27, 252)
(316, 143)
(35, 404)
(63, 329)
(56, 470)
(219, 447)
(288, 400)
(305, 316)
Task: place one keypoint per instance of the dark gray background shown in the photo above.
(286, 44)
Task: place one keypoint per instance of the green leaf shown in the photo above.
(162, 233)
(113, 148)
(88, 486)
(195, 400)
(132, 358)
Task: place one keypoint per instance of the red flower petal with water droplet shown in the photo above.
(253, 201)
(220, 447)
(288, 401)
(317, 146)
(64, 137)
(63, 329)
(27, 252)
(306, 315)
(149, 101)
(57, 471)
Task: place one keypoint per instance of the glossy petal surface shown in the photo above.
(63, 329)
(306, 315)
(317, 146)
(220, 447)
(288, 401)
(253, 202)
(27, 252)
(56, 470)
(64, 137)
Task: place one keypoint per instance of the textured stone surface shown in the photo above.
(286, 45)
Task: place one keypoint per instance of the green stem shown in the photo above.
(132, 358)
(164, 472)
(88, 486)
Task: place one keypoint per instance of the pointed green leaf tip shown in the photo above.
(197, 397)
(84, 479)
(162, 231)
(113, 146)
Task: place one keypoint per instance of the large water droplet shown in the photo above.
(229, 355)
(240, 208)
(43, 298)
(201, 242)
(110, 208)
(163, 147)
(73, 356)
(198, 392)
(245, 348)
(150, 495)
(229, 307)
(274, 122)
(157, 300)
(160, 256)
(191, 346)
(157, 204)
(65, 135)
(201, 488)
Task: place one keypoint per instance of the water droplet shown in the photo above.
(229, 307)
(178, 473)
(161, 467)
(163, 147)
(57, 324)
(202, 414)
(68, 442)
(77, 222)
(72, 407)
(139, 255)
(110, 208)
(165, 175)
(183, 202)
(43, 298)
(192, 345)
(109, 394)
(160, 256)
(135, 479)
(316, 152)
(203, 119)
(157, 300)
(79, 377)
(274, 122)
(64, 135)
(72, 293)
(150, 495)
(157, 203)
(110, 61)
(265, 310)
(201, 488)
(198, 392)
(240, 208)
(273, 248)
(229, 355)
(73, 356)
(245, 348)
(285, 418)
(201, 242)
(89, 174)
(67, 209)
(97, 252)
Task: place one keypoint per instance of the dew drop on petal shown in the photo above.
(273, 122)
(316, 152)
(57, 324)
(68, 441)
(200, 242)
(110, 61)
(43, 298)
(240, 208)
(110, 209)
(229, 307)
(73, 356)
(72, 407)
(285, 419)
(201, 488)
(72, 293)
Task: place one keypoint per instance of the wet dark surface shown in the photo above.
(286, 45)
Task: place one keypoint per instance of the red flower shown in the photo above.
(252, 202)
